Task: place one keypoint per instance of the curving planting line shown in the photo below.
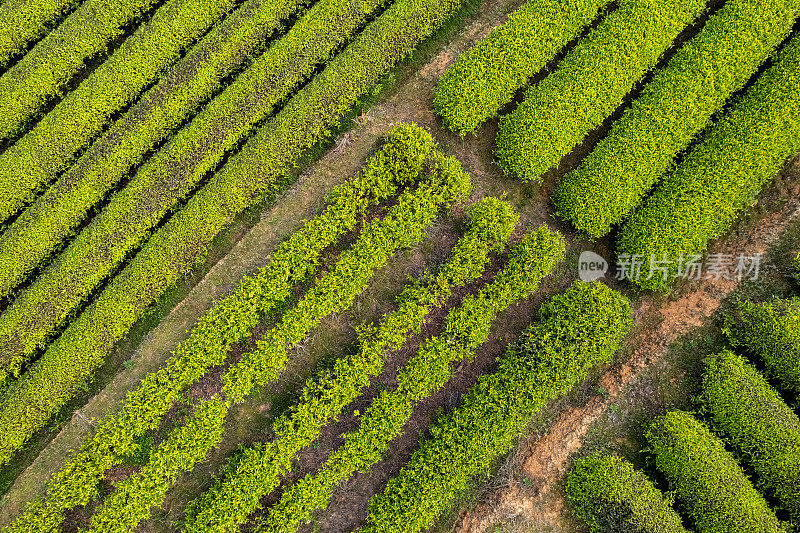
(706, 479)
(723, 174)
(34, 160)
(485, 78)
(575, 331)
(257, 172)
(610, 495)
(403, 226)
(233, 499)
(397, 163)
(466, 329)
(672, 109)
(39, 230)
(589, 84)
(171, 174)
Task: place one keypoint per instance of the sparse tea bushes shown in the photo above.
(611, 496)
(588, 85)
(707, 481)
(770, 331)
(723, 174)
(485, 78)
(672, 109)
(756, 422)
(575, 331)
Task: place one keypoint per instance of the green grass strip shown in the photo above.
(672, 109)
(397, 163)
(24, 21)
(39, 230)
(403, 226)
(707, 481)
(170, 175)
(34, 160)
(575, 331)
(610, 495)
(723, 174)
(42, 73)
(233, 499)
(771, 332)
(485, 78)
(257, 172)
(757, 423)
(589, 84)
(466, 329)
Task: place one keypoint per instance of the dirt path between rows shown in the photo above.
(538, 503)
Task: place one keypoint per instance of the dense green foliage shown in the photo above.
(575, 330)
(672, 109)
(771, 331)
(706, 478)
(171, 174)
(81, 115)
(258, 471)
(611, 496)
(466, 329)
(24, 21)
(753, 418)
(723, 174)
(403, 225)
(486, 77)
(40, 229)
(44, 70)
(229, 321)
(589, 84)
(797, 268)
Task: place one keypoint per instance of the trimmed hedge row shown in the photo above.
(706, 478)
(24, 21)
(403, 226)
(171, 174)
(229, 321)
(134, 496)
(575, 331)
(256, 173)
(229, 502)
(31, 239)
(589, 84)
(672, 109)
(485, 78)
(723, 174)
(771, 331)
(610, 495)
(753, 418)
(39, 75)
(35, 159)
(466, 329)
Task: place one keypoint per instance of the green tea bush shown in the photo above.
(39, 230)
(402, 226)
(756, 422)
(173, 172)
(466, 329)
(229, 502)
(589, 84)
(797, 268)
(706, 479)
(575, 331)
(485, 78)
(723, 174)
(396, 164)
(672, 109)
(24, 21)
(35, 159)
(41, 74)
(771, 331)
(610, 495)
